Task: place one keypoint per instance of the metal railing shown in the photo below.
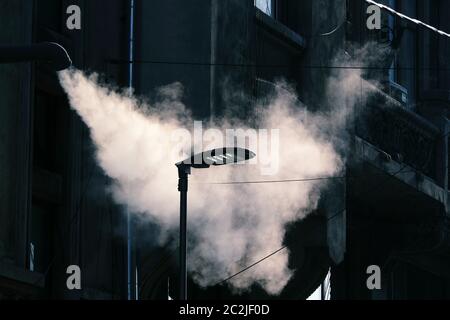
(403, 134)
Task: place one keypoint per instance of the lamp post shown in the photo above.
(215, 157)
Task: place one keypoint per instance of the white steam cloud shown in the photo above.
(229, 227)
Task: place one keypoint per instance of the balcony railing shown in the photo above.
(401, 133)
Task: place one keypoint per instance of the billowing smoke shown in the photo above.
(229, 226)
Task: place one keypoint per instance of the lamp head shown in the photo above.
(217, 157)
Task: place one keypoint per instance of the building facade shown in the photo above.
(390, 211)
(54, 209)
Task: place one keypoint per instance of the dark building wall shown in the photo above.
(16, 17)
(54, 196)
(325, 34)
(233, 53)
(392, 221)
(173, 45)
(52, 193)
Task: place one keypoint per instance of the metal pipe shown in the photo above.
(50, 52)
(130, 268)
(183, 245)
(183, 172)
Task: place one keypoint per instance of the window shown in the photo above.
(402, 73)
(41, 237)
(323, 292)
(265, 6)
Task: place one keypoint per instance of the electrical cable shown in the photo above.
(284, 247)
(254, 65)
(415, 21)
(276, 181)
(270, 181)
(328, 219)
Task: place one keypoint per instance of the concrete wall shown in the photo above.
(65, 208)
(173, 44)
(15, 117)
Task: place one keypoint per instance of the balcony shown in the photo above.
(403, 135)
(435, 106)
(401, 183)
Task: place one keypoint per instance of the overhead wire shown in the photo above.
(392, 175)
(338, 213)
(255, 65)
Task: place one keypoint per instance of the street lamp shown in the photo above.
(215, 157)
